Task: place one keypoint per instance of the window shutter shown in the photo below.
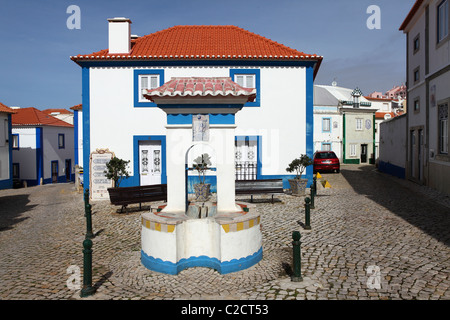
(249, 81)
(240, 80)
(154, 82)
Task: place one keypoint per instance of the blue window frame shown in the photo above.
(149, 75)
(234, 73)
(15, 141)
(61, 141)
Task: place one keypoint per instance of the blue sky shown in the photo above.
(35, 44)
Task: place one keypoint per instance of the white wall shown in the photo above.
(335, 136)
(26, 155)
(280, 119)
(52, 152)
(393, 141)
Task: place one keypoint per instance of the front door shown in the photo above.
(246, 152)
(364, 153)
(68, 169)
(54, 171)
(150, 162)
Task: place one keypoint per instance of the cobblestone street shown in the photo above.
(365, 219)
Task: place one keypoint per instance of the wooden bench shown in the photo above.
(130, 195)
(252, 187)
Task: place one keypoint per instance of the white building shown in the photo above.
(43, 147)
(427, 30)
(62, 114)
(344, 123)
(6, 144)
(271, 131)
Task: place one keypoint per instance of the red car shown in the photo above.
(326, 161)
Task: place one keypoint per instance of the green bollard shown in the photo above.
(88, 289)
(315, 185)
(307, 213)
(297, 276)
(313, 193)
(88, 215)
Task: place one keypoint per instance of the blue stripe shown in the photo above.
(309, 120)
(225, 267)
(86, 127)
(39, 154)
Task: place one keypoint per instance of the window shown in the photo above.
(326, 125)
(416, 104)
(359, 124)
(15, 141)
(326, 146)
(248, 78)
(61, 142)
(416, 75)
(416, 43)
(147, 82)
(145, 79)
(16, 170)
(353, 150)
(443, 128)
(442, 21)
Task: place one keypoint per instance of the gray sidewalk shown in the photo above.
(366, 219)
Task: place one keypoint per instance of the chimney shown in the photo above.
(119, 35)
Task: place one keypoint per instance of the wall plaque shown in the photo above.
(200, 127)
(99, 184)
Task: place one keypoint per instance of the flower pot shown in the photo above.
(298, 186)
(202, 191)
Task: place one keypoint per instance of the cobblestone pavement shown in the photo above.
(365, 219)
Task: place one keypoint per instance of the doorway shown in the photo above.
(68, 169)
(54, 171)
(364, 153)
(150, 162)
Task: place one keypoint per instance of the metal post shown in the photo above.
(89, 233)
(313, 193)
(88, 289)
(297, 276)
(307, 213)
(315, 185)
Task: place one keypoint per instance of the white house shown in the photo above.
(427, 30)
(271, 131)
(6, 145)
(43, 147)
(61, 113)
(344, 123)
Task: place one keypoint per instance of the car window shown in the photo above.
(326, 155)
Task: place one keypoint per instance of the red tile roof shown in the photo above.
(35, 117)
(411, 14)
(204, 43)
(198, 86)
(61, 111)
(5, 109)
(381, 115)
(77, 107)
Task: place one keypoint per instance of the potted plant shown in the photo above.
(298, 185)
(117, 170)
(202, 189)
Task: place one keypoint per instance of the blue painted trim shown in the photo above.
(179, 118)
(86, 126)
(75, 136)
(257, 73)
(63, 141)
(136, 75)
(310, 120)
(6, 184)
(39, 154)
(212, 180)
(391, 169)
(18, 141)
(213, 118)
(225, 267)
(221, 63)
(326, 131)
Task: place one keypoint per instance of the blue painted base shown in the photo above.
(391, 169)
(234, 265)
